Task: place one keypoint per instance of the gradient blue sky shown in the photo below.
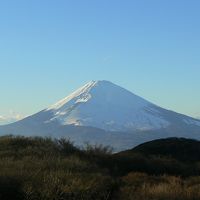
(48, 48)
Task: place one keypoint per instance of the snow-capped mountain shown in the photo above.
(102, 112)
(103, 105)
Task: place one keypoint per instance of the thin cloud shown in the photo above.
(2, 118)
(12, 117)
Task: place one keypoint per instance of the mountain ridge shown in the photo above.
(101, 112)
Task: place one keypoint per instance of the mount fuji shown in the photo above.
(101, 112)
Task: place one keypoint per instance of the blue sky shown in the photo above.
(48, 48)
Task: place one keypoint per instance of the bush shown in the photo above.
(37, 168)
(45, 169)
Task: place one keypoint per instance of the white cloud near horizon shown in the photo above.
(10, 118)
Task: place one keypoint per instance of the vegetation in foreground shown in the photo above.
(46, 169)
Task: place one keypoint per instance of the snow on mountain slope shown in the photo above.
(105, 105)
(101, 112)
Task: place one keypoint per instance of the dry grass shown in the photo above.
(44, 169)
(138, 186)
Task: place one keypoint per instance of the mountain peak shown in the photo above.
(104, 82)
(104, 105)
(103, 91)
(104, 113)
(84, 93)
(94, 83)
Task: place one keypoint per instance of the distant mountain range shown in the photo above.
(101, 112)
